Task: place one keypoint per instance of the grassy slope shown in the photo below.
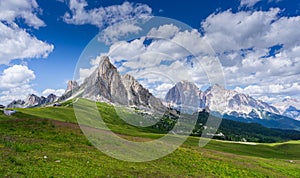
(25, 141)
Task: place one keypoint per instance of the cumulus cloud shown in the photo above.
(227, 31)
(104, 16)
(15, 76)
(26, 9)
(115, 21)
(57, 92)
(112, 33)
(271, 90)
(165, 31)
(245, 42)
(15, 83)
(249, 3)
(16, 42)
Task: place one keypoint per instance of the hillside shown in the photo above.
(46, 142)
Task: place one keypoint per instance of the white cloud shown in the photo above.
(271, 90)
(249, 3)
(57, 92)
(112, 33)
(227, 31)
(15, 83)
(115, 21)
(244, 40)
(26, 9)
(166, 31)
(15, 42)
(104, 16)
(15, 76)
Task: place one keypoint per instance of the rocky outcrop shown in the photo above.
(71, 86)
(138, 95)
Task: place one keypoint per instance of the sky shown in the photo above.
(257, 44)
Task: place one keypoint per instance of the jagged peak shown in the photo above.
(32, 96)
(51, 94)
(128, 77)
(215, 87)
(105, 62)
(290, 100)
(72, 84)
(187, 84)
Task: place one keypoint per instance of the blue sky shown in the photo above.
(42, 40)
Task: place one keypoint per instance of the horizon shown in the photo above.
(44, 42)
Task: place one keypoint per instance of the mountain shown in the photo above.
(137, 95)
(51, 98)
(289, 107)
(107, 85)
(33, 100)
(71, 86)
(231, 105)
(185, 93)
(220, 100)
(237, 104)
(16, 104)
(71, 91)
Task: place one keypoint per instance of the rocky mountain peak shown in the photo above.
(216, 88)
(105, 65)
(51, 98)
(218, 99)
(72, 84)
(184, 93)
(106, 84)
(34, 100)
(289, 107)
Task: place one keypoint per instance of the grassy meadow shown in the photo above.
(47, 142)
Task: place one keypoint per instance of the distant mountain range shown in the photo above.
(289, 107)
(33, 101)
(105, 84)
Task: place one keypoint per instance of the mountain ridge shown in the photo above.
(106, 84)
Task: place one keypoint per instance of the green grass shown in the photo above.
(31, 134)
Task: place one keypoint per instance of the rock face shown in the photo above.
(137, 95)
(185, 93)
(33, 100)
(106, 84)
(71, 86)
(16, 104)
(51, 98)
(231, 102)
